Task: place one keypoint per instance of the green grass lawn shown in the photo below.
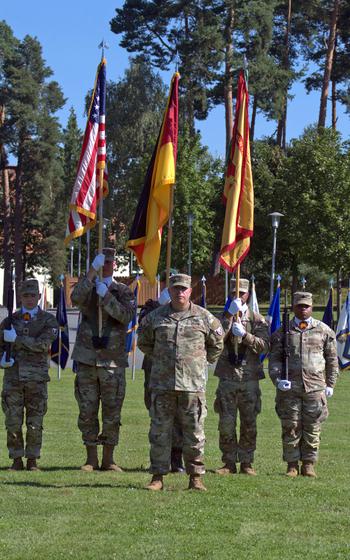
(62, 512)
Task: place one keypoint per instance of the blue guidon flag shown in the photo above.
(343, 336)
(60, 346)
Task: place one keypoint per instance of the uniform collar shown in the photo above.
(32, 312)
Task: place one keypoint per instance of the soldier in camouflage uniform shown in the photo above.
(301, 401)
(101, 361)
(238, 390)
(26, 375)
(180, 337)
(177, 437)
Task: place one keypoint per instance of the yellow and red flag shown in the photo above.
(153, 208)
(238, 190)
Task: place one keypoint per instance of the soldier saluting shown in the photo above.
(301, 400)
(26, 375)
(101, 360)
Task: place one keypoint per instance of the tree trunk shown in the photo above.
(282, 123)
(328, 65)
(334, 91)
(18, 226)
(228, 75)
(189, 118)
(252, 123)
(7, 234)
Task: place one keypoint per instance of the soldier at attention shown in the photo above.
(238, 392)
(26, 375)
(180, 337)
(101, 360)
(301, 401)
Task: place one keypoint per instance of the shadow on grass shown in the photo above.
(27, 483)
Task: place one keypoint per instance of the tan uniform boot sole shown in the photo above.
(113, 467)
(89, 468)
(223, 471)
(154, 486)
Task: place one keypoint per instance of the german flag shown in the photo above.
(238, 190)
(154, 205)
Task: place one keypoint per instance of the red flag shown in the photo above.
(154, 205)
(238, 190)
(86, 188)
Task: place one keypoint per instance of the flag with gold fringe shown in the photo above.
(153, 208)
(86, 190)
(238, 190)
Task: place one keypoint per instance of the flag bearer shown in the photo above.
(101, 360)
(238, 392)
(301, 400)
(26, 375)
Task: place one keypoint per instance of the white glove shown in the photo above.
(4, 364)
(283, 384)
(237, 329)
(98, 262)
(329, 392)
(101, 288)
(10, 335)
(235, 306)
(164, 297)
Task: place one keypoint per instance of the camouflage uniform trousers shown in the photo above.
(177, 437)
(92, 386)
(301, 415)
(190, 409)
(233, 397)
(17, 397)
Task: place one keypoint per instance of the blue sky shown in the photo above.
(70, 33)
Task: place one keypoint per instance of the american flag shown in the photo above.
(86, 190)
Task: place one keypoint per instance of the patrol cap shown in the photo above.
(243, 285)
(30, 286)
(180, 280)
(109, 254)
(302, 298)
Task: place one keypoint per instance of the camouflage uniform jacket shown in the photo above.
(255, 342)
(180, 344)
(31, 347)
(313, 356)
(118, 308)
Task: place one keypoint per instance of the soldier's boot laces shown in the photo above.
(32, 465)
(17, 464)
(176, 460)
(246, 468)
(307, 469)
(227, 469)
(91, 459)
(292, 469)
(108, 463)
(196, 483)
(156, 483)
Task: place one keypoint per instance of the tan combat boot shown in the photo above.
(196, 483)
(91, 459)
(292, 469)
(246, 468)
(227, 469)
(108, 463)
(307, 469)
(17, 465)
(156, 483)
(31, 465)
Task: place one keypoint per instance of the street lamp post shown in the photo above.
(190, 220)
(275, 219)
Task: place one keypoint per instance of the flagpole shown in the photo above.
(236, 342)
(87, 250)
(60, 335)
(170, 235)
